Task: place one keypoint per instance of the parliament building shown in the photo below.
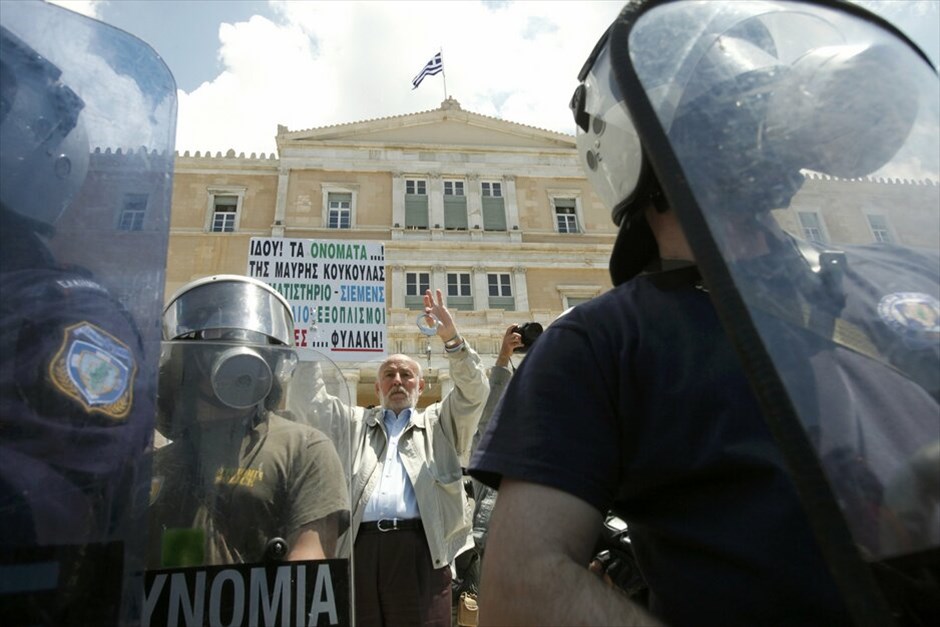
(496, 214)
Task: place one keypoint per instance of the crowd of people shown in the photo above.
(760, 411)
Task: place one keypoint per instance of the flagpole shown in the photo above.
(443, 73)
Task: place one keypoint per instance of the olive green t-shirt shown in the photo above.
(240, 486)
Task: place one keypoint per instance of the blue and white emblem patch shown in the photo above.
(915, 316)
(96, 369)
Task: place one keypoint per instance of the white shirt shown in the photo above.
(394, 497)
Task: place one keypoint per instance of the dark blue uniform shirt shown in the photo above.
(76, 409)
(635, 401)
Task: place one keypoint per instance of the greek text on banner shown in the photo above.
(336, 290)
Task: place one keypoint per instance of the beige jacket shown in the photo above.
(434, 445)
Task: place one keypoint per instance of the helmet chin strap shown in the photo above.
(648, 192)
(636, 247)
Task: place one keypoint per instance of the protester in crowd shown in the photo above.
(467, 564)
(485, 496)
(637, 402)
(240, 481)
(409, 506)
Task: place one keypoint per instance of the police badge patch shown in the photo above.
(914, 316)
(95, 369)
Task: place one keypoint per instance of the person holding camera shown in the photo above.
(467, 563)
(516, 339)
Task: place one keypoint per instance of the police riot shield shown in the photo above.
(87, 125)
(249, 504)
(798, 144)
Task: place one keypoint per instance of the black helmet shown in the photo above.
(752, 93)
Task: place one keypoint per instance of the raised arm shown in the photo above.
(461, 408)
(499, 376)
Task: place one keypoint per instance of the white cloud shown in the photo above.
(270, 77)
(91, 8)
(329, 63)
(323, 63)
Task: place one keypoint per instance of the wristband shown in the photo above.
(454, 344)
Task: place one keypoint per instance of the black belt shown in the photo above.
(391, 524)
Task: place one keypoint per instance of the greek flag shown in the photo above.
(434, 66)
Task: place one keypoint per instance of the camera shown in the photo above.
(529, 332)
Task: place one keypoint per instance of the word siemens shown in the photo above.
(287, 594)
(324, 291)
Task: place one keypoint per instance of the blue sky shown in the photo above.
(185, 33)
(244, 66)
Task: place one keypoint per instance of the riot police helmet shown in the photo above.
(44, 149)
(228, 306)
(228, 333)
(750, 108)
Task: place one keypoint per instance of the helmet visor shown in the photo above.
(607, 142)
(802, 147)
(228, 303)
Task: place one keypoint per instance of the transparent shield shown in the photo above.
(249, 502)
(87, 125)
(808, 138)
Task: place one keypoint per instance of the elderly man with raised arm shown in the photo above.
(407, 493)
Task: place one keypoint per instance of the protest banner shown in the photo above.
(336, 289)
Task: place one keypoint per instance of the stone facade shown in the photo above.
(553, 245)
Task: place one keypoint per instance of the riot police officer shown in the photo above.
(78, 351)
(743, 399)
(240, 481)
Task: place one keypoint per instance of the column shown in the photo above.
(280, 205)
(474, 203)
(481, 289)
(435, 201)
(512, 206)
(439, 280)
(352, 377)
(522, 291)
(397, 287)
(398, 200)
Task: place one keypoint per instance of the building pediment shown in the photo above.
(448, 126)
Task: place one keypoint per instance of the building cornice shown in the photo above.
(449, 110)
